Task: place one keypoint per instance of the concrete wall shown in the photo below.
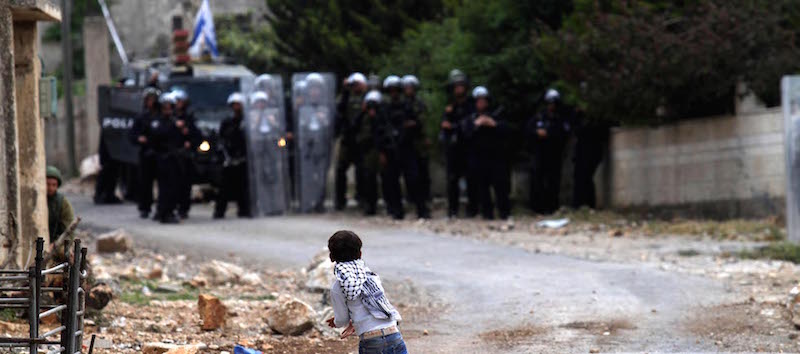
(714, 167)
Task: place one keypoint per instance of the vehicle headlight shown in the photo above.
(204, 146)
(281, 142)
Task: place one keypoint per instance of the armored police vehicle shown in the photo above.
(207, 85)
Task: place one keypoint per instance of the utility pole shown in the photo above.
(66, 48)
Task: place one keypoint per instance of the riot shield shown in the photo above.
(118, 108)
(268, 158)
(790, 96)
(314, 112)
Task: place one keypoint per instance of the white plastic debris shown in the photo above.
(553, 223)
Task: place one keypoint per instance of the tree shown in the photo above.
(655, 61)
(339, 36)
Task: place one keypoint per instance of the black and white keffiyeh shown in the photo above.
(359, 281)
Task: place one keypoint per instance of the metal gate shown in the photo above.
(30, 282)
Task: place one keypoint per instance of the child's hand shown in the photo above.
(331, 322)
(349, 331)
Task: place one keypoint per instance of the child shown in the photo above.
(359, 301)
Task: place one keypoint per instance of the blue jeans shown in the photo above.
(391, 344)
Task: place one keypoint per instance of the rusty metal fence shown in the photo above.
(70, 305)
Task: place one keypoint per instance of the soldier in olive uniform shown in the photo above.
(422, 142)
(348, 109)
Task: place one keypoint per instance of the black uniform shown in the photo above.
(592, 140)
(401, 160)
(489, 164)
(348, 110)
(105, 188)
(421, 143)
(147, 161)
(166, 141)
(234, 173)
(456, 158)
(546, 158)
(193, 137)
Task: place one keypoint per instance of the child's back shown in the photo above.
(359, 301)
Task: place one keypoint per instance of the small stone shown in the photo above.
(199, 282)
(168, 288)
(594, 350)
(212, 312)
(155, 273)
(425, 332)
(117, 241)
(99, 296)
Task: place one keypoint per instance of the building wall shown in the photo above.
(715, 167)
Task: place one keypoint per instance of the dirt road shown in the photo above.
(496, 298)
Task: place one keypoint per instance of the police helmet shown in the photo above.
(262, 80)
(480, 92)
(391, 81)
(258, 96)
(551, 96)
(457, 77)
(357, 78)
(166, 98)
(151, 91)
(235, 98)
(180, 95)
(410, 80)
(373, 96)
(315, 79)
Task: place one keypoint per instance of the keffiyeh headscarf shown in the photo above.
(358, 281)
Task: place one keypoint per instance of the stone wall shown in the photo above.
(714, 167)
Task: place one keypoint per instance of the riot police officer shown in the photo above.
(147, 159)
(348, 110)
(422, 143)
(401, 159)
(370, 135)
(459, 107)
(485, 135)
(191, 140)
(167, 139)
(234, 171)
(546, 135)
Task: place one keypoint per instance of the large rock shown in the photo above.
(252, 279)
(157, 348)
(290, 316)
(212, 312)
(114, 241)
(184, 349)
(99, 296)
(164, 348)
(218, 272)
(320, 277)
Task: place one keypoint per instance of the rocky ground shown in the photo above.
(156, 290)
(714, 249)
(160, 303)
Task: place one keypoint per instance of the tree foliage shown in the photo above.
(652, 61)
(636, 61)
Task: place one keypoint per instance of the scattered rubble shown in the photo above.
(320, 272)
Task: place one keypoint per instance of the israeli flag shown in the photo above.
(203, 34)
